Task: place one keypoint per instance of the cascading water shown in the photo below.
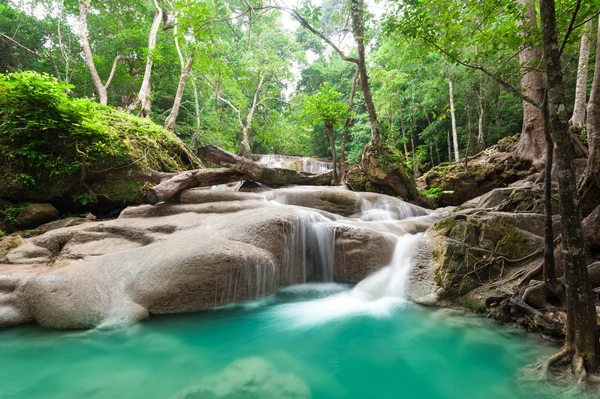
(299, 164)
(384, 209)
(308, 249)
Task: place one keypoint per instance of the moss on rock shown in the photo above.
(46, 137)
(493, 168)
(383, 169)
(474, 249)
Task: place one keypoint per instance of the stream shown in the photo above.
(305, 341)
(320, 339)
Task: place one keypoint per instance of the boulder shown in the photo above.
(473, 249)
(59, 224)
(172, 258)
(493, 168)
(34, 215)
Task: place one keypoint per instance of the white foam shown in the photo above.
(375, 296)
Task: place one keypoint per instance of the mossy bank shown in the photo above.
(75, 152)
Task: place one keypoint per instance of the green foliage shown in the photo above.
(2, 233)
(325, 108)
(12, 211)
(45, 135)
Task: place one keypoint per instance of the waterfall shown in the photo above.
(377, 295)
(388, 208)
(299, 164)
(392, 280)
(308, 249)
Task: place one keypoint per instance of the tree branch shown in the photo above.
(296, 15)
(570, 28)
(51, 61)
(114, 69)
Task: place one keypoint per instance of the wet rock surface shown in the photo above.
(215, 249)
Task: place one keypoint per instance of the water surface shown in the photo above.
(293, 345)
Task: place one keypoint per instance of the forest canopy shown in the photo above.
(239, 74)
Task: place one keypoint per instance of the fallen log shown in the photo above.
(262, 174)
(169, 184)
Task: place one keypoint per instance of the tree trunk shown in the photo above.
(582, 334)
(449, 148)
(185, 74)
(412, 140)
(589, 188)
(330, 133)
(143, 102)
(578, 117)
(453, 116)
(403, 127)
(468, 111)
(196, 105)
(171, 184)
(531, 146)
(347, 124)
(101, 88)
(239, 168)
(357, 9)
(480, 135)
(549, 263)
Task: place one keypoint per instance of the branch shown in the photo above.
(296, 15)
(254, 101)
(114, 69)
(239, 114)
(570, 28)
(51, 61)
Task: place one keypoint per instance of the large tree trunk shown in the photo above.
(582, 335)
(357, 10)
(143, 102)
(578, 117)
(549, 261)
(453, 116)
(589, 188)
(531, 146)
(169, 185)
(330, 133)
(254, 171)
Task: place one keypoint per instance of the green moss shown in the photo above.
(471, 303)
(46, 135)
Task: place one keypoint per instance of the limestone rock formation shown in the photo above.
(452, 184)
(216, 249)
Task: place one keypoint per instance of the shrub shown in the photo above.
(44, 135)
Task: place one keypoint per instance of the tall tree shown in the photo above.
(453, 117)
(532, 145)
(143, 101)
(581, 341)
(578, 117)
(357, 14)
(101, 88)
